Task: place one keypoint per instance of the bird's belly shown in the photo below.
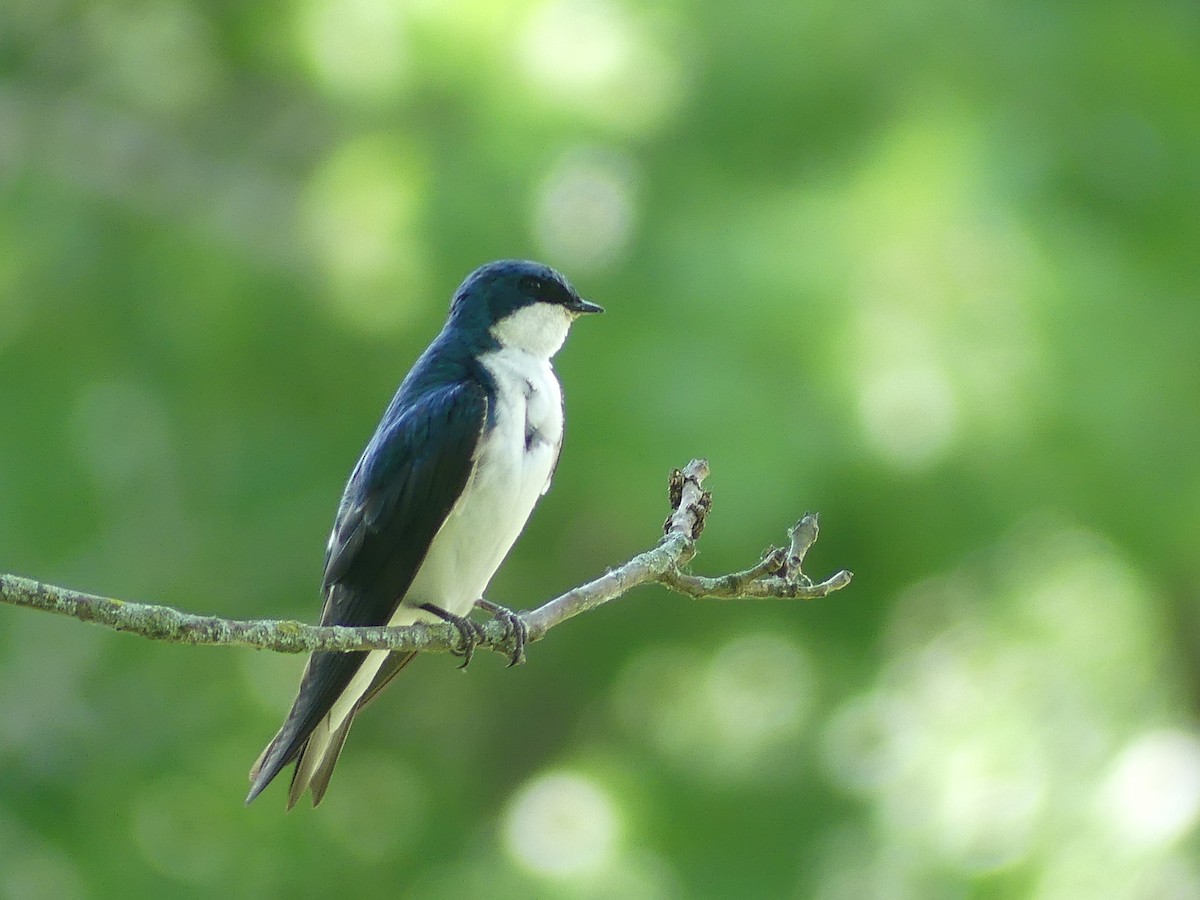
(511, 473)
(472, 542)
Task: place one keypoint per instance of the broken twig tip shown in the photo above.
(690, 503)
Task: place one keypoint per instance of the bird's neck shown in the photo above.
(538, 329)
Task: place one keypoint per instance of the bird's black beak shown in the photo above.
(581, 307)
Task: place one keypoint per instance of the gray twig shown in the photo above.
(777, 574)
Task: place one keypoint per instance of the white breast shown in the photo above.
(513, 465)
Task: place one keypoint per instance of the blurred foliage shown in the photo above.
(930, 268)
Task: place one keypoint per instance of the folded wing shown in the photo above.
(397, 498)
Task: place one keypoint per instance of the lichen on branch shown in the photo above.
(778, 574)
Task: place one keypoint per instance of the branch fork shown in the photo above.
(778, 574)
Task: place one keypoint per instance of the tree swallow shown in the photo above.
(463, 452)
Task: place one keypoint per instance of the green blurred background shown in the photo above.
(930, 268)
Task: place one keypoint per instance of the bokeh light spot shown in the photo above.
(357, 48)
(989, 801)
(994, 736)
(909, 413)
(759, 687)
(562, 824)
(1152, 793)
(868, 740)
(363, 209)
(597, 59)
(586, 209)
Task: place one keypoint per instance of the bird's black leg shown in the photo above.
(517, 630)
(468, 632)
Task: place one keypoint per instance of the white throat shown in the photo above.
(538, 329)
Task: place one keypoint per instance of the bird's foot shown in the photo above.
(468, 632)
(515, 629)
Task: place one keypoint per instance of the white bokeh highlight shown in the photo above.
(996, 739)
(1151, 795)
(586, 209)
(562, 825)
(356, 48)
(598, 60)
(909, 413)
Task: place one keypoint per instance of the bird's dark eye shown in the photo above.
(531, 284)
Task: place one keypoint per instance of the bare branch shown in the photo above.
(777, 575)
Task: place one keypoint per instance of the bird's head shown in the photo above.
(520, 304)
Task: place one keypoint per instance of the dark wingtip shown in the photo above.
(259, 780)
(260, 784)
(254, 792)
(265, 768)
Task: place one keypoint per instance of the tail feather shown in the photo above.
(322, 676)
(317, 752)
(334, 687)
(390, 669)
(314, 766)
(317, 777)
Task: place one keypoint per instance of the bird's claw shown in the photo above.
(514, 626)
(469, 634)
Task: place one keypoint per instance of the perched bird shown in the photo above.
(463, 452)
